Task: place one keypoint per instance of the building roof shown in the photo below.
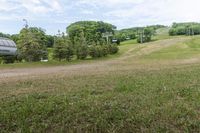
(7, 42)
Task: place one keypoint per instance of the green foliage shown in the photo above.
(113, 49)
(132, 33)
(185, 29)
(49, 41)
(31, 44)
(63, 49)
(145, 35)
(122, 36)
(8, 59)
(97, 51)
(4, 35)
(82, 52)
(81, 46)
(15, 38)
(92, 30)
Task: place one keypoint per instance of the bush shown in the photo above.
(82, 52)
(97, 51)
(69, 53)
(113, 49)
(105, 50)
(8, 59)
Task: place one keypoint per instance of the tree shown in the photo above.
(31, 46)
(145, 35)
(92, 30)
(69, 49)
(4, 35)
(15, 38)
(49, 41)
(81, 46)
(63, 49)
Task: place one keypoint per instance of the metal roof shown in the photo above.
(7, 42)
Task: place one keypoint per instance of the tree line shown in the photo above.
(190, 28)
(142, 34)
(82, 40)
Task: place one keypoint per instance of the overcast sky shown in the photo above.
(58, 14)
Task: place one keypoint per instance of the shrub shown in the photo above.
(105, 50)
(8, 59)
(63, 50)
(113, 49)
(97, 51)
(82, 52)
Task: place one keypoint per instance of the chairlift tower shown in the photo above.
(26, 23)
(141, 36)
(107, 35)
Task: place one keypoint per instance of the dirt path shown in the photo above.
(89, 67)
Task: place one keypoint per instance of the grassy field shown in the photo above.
(145, 88)
(188, 49)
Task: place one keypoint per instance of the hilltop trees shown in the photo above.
(92, 31)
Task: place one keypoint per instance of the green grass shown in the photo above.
(126, 101)
(185, 50)
(129, 42)
(122, 97)
(36, 64)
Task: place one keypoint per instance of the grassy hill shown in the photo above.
(151, 87)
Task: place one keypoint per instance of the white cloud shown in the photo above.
(6, 6)
(122, 13)
(41, 6)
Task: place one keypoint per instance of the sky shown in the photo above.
(54, 15)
